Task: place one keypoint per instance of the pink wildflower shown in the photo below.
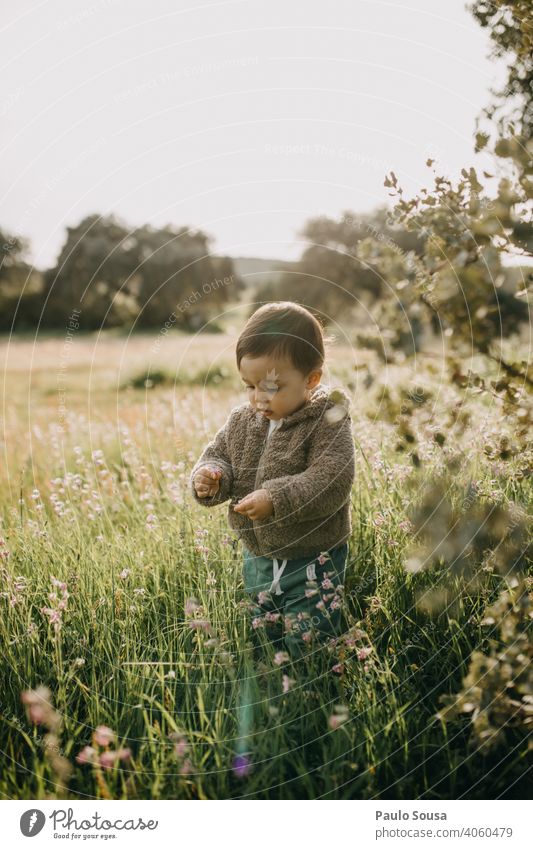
(336, 720)
(53, 615)
(40, 694)
(58, 606)
(353, 635)
(37, 714)
(39, 708)
(4, 551)
(86, 756)
(107, 759)
(103, 735)
(287, 683)
(281, 657)
(151, 522)
(191, 606)
(363, 653)
(181, 748)
(272, 617)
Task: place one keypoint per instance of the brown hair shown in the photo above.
(284, 328)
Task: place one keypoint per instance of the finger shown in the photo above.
(207, 490)
(204, 477)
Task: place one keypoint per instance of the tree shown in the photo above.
(332, 277)
(117, 276)
(181, 279)
(468, 232)
(511, 32)
(20, 284)
(95, 273)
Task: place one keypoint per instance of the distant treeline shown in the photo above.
(114, 276)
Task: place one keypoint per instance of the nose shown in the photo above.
(261, 398)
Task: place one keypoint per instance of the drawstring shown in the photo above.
(277, 573)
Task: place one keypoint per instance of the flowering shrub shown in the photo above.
(497, 692)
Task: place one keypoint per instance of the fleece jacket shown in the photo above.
(307, 466)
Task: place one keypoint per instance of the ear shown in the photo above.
(314, 378)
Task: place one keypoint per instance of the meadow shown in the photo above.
(128, 669)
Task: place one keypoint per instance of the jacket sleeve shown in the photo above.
(216, 453)
(326, 484)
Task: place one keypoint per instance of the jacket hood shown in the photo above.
(322, 398)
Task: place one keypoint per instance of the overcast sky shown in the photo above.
(242, 118)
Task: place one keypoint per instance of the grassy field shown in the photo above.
(124, 598)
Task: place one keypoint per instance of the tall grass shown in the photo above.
(202, 711)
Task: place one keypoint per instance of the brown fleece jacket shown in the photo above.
(307, 465)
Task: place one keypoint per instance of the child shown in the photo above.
(285, 459)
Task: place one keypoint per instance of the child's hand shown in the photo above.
(207, 481)
(256, 505)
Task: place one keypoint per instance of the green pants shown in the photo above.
(297, 603)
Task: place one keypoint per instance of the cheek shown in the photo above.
(289, 393)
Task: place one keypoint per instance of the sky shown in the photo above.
(242, 118)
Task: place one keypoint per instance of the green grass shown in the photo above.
(126, 657)
(391, 746)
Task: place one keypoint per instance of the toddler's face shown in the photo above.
(275, 388)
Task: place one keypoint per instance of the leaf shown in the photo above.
(503, 148)
(474, 182)
(481, 141)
